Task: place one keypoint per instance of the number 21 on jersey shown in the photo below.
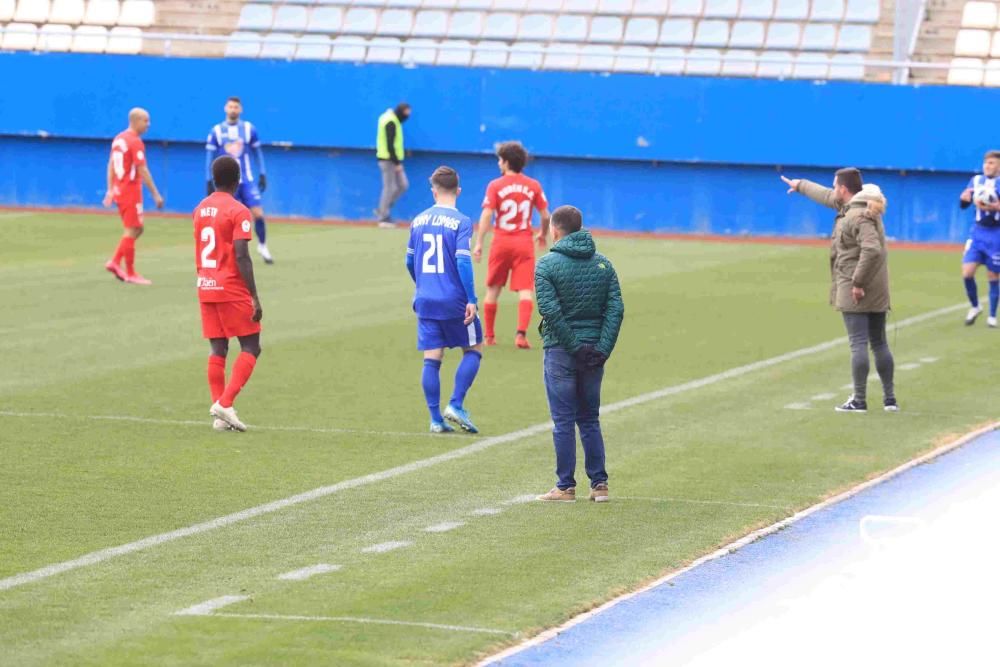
(434, 256)
(509, 210)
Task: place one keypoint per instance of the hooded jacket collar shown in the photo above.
(578, 245)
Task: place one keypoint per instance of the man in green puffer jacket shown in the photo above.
(581, 306)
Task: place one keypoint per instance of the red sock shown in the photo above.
(242, 370)
(128, 251)
(216, 376)
(524, 310)
(490, 319)
(120, 250)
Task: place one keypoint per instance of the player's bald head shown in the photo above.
(138, 119)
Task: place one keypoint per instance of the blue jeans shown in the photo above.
(575, 400)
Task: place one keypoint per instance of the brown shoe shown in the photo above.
(599, 494)
(558, 495)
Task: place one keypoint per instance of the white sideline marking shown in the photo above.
(696, 501)
(385, 547)
(204, 423)
(486, 511)
(823, 397)
(908, 367)
(102, 555)
(849, 385)
(304, 573)
(520, 500)
(371, 621)
(928, 360)
(797, 406)
(206, 608)
(742, 542)
(444, 527)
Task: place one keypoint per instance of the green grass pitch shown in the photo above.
(105, 439)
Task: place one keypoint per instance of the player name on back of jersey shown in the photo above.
(519, 188)
(434, 219)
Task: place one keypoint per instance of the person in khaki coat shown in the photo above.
(859, 277)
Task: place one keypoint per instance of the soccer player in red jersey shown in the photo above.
(226, 289)
(512, 197)
(127, 171)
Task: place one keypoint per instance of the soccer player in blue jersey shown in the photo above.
(439, 260)
(983, 246)
(236, 138)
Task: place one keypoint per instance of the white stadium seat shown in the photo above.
(500, 26)
(965, 72)
(775, 65)
(819, 37)
(255, 17)
(102, 12)
(291, 18)
(712, 33)
(571, 28)
(615, 7)
(348, 48)
(995, 46)
(457, 52)
(55, 37)
(325, 20)
(535, 27)
(791, 10)
(757, 9)
(550, 6)
(632, 59)
(526, 55)
(420, 51)
(972, 43)
(397, 22)
(783, 36)
(278, 45)
(561, 56)
(686, 7)
(854, 37)
(606, 29)
(827, 10)
(667, 60)
(677, 32)
(7, 9)
(737, 62)
(384, 50)
(650, 7)
(467, 25)
(597, 58)
(722, 9)
(580, 6)
(125, 40)
(992, 77)
(979, 15)
(140, 13)
(747, 35)
(90, 39)
(32, 11)
(642, 30)
(490, 54)
(358, 21)
(22, 37)
(436, 4)
(510, 5)
(811, 66)
(67, 11)
(847, 67)
(243, 45)
(313, 47)
(431, 23)
(708, 62)
(863, 11)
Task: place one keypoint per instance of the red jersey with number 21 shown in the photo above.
(128, 153)
(514, 197)
(218, 221)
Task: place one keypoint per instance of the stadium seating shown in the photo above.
(976, 52)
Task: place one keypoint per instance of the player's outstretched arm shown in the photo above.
(485, 220)
(241, 248)
(147, 178)
(108, 194)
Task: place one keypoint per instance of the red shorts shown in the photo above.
(228, 319)
(131, 214)
(513, 260)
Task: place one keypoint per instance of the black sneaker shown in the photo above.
(890, 405)
(853, 405)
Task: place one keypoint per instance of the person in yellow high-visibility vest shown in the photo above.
(390, 151)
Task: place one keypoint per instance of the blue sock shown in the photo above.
(431, 381)
(465, 376)
(261, 230)
(970, 289)
(994, 297)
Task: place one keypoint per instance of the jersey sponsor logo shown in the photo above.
(208, 283)
(234, 148)
(246, 226)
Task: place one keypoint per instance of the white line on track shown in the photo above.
(520, 500)
(742, 542)
(207, 607)
(385, 547)
(370, 621)
(695, 501)
(486, 511)
(444, 527)
(823, 397)
(306, 572)
(912, 366)
(102, 555)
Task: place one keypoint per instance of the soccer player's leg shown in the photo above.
(497, 272)
(131, 216)
(469, 337)
(237, 321)
(522, 281)
(430, 341)
(973, 257)
(249, 195)
(212, 329)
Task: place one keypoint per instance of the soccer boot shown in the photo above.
(461, 417)
(599, 493)
(491, 341)
(220, 425)
(136, 279)
(853, 405)
(115, 270)
(972, 315)
(227, 415)
(521, 342)
(264, 253)
(557, 495)
(890, 405)
(441, 427)
(992, 322)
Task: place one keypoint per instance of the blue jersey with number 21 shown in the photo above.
(438, 236)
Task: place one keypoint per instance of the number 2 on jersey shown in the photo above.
(509, 210)
(208, 238)
(434, 256)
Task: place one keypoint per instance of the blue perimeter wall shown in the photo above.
(634, 152)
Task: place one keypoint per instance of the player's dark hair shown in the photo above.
(567, 219)
(513, 153)
(445, 178)
(850, 178)
(402, 110)
(235, 99)
(226, 173)
(992, 154)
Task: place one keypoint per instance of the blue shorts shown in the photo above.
(248, 194)
(438, 334)
(983, 247)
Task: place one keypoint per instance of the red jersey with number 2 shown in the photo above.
(128, 153)
(513, 198)
(218, 221)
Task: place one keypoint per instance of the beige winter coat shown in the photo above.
(859, 256)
